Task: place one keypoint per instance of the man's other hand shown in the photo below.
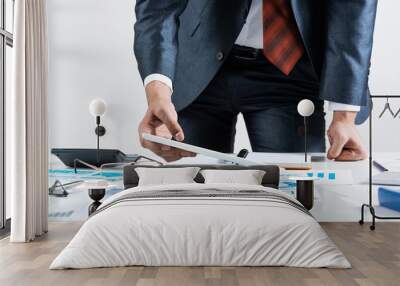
(161, 119)
(345, 141)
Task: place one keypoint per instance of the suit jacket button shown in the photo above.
(220, 56)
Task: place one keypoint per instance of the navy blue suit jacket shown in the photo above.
(188, 40)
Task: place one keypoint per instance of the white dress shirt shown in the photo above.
(252, 36)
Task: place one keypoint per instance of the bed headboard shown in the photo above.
(271, 177)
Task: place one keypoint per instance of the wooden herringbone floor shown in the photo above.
(375, 257)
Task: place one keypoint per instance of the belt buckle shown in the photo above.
(253, 53)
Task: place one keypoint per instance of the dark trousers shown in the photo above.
(249, 84)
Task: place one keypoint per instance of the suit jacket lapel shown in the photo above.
(302, 15)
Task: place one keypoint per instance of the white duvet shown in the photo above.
(200, 231)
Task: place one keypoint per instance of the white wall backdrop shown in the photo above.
(385, 76)
(91, 55)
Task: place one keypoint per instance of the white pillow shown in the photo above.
(248, 177)
(166, 176)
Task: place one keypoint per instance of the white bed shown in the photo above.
(202, 231)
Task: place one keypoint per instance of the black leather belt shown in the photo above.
(246, 53)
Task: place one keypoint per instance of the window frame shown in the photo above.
(6, 39)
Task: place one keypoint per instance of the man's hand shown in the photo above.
(161, 119)
(345, 141)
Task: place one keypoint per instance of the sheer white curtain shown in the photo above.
(27, 121)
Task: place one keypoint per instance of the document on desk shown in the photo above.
(278, 158)
(389, 164)
(387, 178)
(322, 176)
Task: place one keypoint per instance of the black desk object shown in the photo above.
(96, 195)
(68, 156)
(305, 193)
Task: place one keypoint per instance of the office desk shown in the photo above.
(332, 202)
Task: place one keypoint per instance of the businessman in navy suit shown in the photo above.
(205, 61)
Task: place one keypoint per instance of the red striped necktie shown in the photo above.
(282, 43)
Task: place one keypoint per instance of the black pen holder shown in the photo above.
(305, 193)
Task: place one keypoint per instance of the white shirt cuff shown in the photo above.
(335, 106)
(160, 77)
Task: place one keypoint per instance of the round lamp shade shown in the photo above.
(97, 107)
(305, 107)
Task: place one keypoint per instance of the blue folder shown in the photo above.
(111, 175)
(389, 198)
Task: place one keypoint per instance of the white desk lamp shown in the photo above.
(305, 108)
(97, 108)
